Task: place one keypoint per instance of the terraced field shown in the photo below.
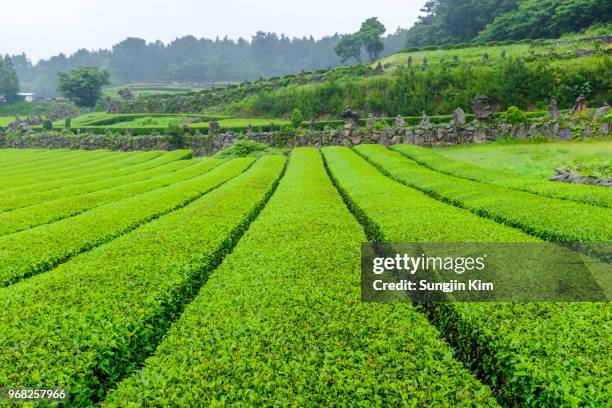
(155, 279)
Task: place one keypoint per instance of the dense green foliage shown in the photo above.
(369, 37)
(134, 288)
(126, 279)
(548, 218)
(70, 236)
(244, 148)
(9, 83)
(547, 19)
(531, 354)
(74, 199)
(83, 85)
(442, 88)
(280, 322)
(574, 192)
(47, 179)
(460, 21)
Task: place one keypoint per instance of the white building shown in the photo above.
(27, 96)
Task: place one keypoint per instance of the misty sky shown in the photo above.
(42, 28)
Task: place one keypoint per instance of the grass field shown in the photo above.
(100, 121)
(474, 53)
(529, 160)
(139, 89)
(156, 279)
(5, 120)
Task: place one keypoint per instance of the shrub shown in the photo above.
(296, 118)
(243, 148)
(514, 116)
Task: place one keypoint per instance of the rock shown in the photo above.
(482, 107)
(601, 112)
(553, 110)
(351, 118)
(399, 121)
(213, 126)
(458, 117)
(379, 69)
(370, 121)
(566, 176)
(565, 134)
(312, 125)
(580, 106)
(425, 120)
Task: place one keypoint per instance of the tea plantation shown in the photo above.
(158, 279)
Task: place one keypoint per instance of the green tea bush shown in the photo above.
(280, 294)
(20, 258)
(92, 333)
(573, 192)
(547, 218)
(72, 200)
(516, 348)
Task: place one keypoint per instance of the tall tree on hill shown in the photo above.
(369, 37)
(9, 83)
(83, 85)
(371, 33)
(349, 47)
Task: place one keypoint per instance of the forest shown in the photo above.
(192, 60)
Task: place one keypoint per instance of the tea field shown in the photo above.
(157, 279)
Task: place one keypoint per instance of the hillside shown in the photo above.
(435, 79)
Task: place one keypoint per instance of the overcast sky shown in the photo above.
(42, 28)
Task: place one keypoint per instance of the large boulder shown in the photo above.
(580, 106)
(553, 110)
(482, 106)
(601, 112)
(458, 117)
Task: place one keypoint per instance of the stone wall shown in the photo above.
(477, 132)
(424, 135)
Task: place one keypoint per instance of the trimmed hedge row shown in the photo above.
(532, 354)
(100, 315)
(72, 183)
(31, 171)
(9, 158)
(127, 186)
(39, 249)
(548, 218)
(573, 192)
(280, 322)
(74, 166)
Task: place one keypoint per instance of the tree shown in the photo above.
(9, 83)
(83, 85)
(349, 47)
(297, 118)
(370, 34)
